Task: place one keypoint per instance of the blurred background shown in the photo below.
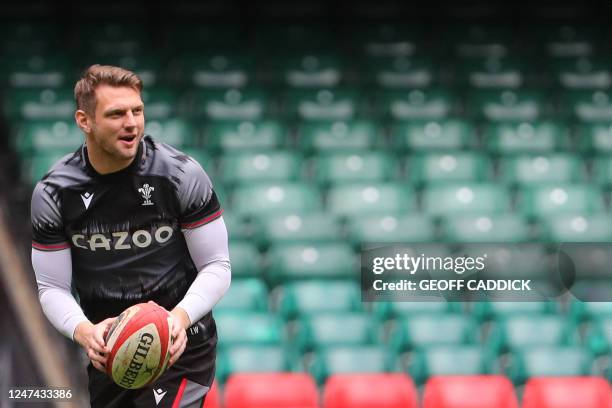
(326, 125)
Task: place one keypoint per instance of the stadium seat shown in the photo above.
(567, 392)
(337, 168)
(34, 169)
(245, 259)
(602, 171)
(332, 329)
(245, 104)
(520, 331)
(40, 104)
(588, 311)
(439, 360)
(524, 137)
(251, 167)
(401, 71)
(176, 132)
(322, 104)
(249, 328)
(384, 39)
(599, 336)
(278, 198)
(549, 168)
(36, 71)
(356, 391)
(440, 134)
(465, 198)
(244, 135)
(338, 136)
(401, 310)
(595, 138)
(506, 105)
(293, 38)
(407, 228)
(307, 298)
(249, 294)
(560, 198)
(370, 198)
(274, 390)
(319, 227)
(217, 70)
(198, 37)
(416, 104)
(413, 332)
(577, 228)
(160, 103)
(252, 359)
(42, 137)
(486, 228)
(589, 106)
(493, 72)
(469, 392)
(499, 311)
(451, 166)
(308, 70)
(311, 261)
(150, 68)
(582, 73)
(350, 359)
(541, 361)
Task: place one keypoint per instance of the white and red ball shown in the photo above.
(139, 342)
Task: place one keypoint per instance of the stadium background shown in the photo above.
(325, 125)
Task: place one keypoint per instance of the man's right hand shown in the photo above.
(91, 338)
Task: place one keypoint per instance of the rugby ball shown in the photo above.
(139, 341)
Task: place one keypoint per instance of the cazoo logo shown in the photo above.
(122, 239)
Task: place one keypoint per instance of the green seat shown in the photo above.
(486, 228)
(493, 72)
(583, 72)
(560, 198)
(246, 104)
(244, 135)
(363, 199)
(379, 40)
(40, 137)
(310, 261)
(160, 103)
(449, 360)
(36, 71)
(37, 166)
(245, 259)
(237, 229)
(506, 105)
(337, 168)
(40, 104)
(150, 69)
(568, 40)
(358, 135)
(203, 158)
(252, 359)
(525, 137)
(249, 294)
(599, 337)
(498, 311)
(602, 171)
(322, 104)
(319, 227)
(176, 132)
(595, 138)
(465, 198)
(451, 166)
(401, 310)
(549, 361)
(113, 38)
(350, 359)
(309, 70)
(577, 228)
(390, 229)
(590, 311)
(268, 198)
(313, 297)
(274, 166)
(549, 168)
(292, 38)
(442, 134)
(249, 328)
(416, 104)
(417, 331)
(335, 329)
(401, 71)
(589, 106)
(217, 70)
(197, 37)
(517, 331)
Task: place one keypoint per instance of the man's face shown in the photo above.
(118, 125)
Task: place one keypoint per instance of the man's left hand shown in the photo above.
(180, 324)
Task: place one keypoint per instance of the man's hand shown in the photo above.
(91, 338)
(180, 324)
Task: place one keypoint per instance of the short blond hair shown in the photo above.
(85, 88)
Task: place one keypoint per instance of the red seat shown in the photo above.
(567, 392)
(369, 391)
(212, 398)
(271, 390)
(478, 391)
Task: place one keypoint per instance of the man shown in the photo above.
(124, 220)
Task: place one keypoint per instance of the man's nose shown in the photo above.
(130, 121)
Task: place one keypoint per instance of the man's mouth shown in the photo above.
(127, 138)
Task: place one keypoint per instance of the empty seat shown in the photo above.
(515, 332)
(160, 103)
(450, 166)
(589, 106)
(507, 105)
(311, 261)
(231, 104)
(469, 392)
(217, 70)
(416, 104)
(548, 360)
(560, 198)
(354, 167)
(36, 71)
(318, 227)
(252, 359)
(278, 390)
(244, 135)
(599, 336)
(550, 168)
(176, 132)
(390, 228)
(401, 71)
(595, 137)
(40, 104)
(278, 198)
(249, 328)
(350, 359)
(332, 329)
(369, 198)
(338, 136)
(355, 391)
(583, 72)
(273, 166)
(498, 311)
(41, 137)
(413, 332)
(245, 294)
(581, 311)
(439, 360)
(577, 228)
(322, 104)
(34, 169)
(524, 137)
(306, 298)
(486, 228)
(245, 259)
(602, 171)
(308, 70)
(465, 198)
(439, 134)
(495, 72)
(567, 392)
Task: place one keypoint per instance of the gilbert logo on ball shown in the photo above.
(139, 341)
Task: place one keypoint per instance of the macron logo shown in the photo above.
(86, 199)
(158, 394)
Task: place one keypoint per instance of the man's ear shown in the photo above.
(83, 121)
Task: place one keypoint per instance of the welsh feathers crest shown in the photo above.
(146, 191)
